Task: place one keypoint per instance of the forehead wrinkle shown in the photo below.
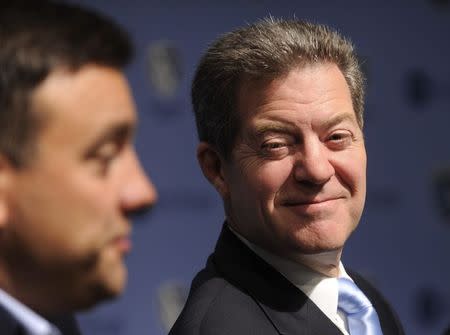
(281, 91)
(295, 102)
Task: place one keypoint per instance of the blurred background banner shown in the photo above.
(403, 241)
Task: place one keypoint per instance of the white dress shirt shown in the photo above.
(32, 322)
(322, 290)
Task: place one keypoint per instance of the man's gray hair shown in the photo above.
(265, 50)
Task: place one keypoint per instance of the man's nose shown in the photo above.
(138, 194)
(313, 164)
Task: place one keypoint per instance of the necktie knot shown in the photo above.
(361, 315)
(351, 299)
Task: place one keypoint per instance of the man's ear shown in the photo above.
(5, 181)
(212, 165)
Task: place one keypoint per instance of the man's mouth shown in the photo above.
(318, 206)
(123, 243)
(308, 202)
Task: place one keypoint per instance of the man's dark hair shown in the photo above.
(36, 38)
(266, 50)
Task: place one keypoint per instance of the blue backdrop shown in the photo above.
(403, 241)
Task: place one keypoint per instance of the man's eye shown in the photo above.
(106, 159)
(273, 145)
(340, 140)
(103, 164)
(105, 156)
(275, 149)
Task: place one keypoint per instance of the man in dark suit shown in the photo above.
(69, 175)
(279, 112)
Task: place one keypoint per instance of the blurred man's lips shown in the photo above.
(123, 243)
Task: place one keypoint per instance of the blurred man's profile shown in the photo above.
(69, 174)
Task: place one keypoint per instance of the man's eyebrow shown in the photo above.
(274, 126)
(337, 119)
(116, 132)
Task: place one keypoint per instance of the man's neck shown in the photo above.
(326, 263)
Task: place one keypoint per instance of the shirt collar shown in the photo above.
(322, 290)
(32, 322)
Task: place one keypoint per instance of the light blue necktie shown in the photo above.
(361, 316)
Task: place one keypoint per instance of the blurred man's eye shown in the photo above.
(105, 156)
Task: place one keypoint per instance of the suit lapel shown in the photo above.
(288, 308)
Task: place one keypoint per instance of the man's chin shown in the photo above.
(311, 248)
(102, 291)
(99, 295)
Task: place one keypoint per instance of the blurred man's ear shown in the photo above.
(212, 165)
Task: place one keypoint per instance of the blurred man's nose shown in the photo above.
(312, 164)
(139, 194)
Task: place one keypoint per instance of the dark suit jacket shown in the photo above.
(10, 326)
(240, 294)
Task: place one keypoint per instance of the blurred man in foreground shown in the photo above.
(279, 112)
(69, 175)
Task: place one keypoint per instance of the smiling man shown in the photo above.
(279, 112)
(69, 174)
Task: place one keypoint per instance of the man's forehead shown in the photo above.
(88, 86)
(265, 79)
(62, 76)
(264, 90)
(86, 102)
